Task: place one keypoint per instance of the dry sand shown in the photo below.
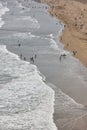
(74, 15)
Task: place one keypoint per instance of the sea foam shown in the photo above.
(25, 35)
(55, 46)
(26, 101)
(3, 10)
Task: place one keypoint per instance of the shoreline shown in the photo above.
(55, 117)
(74, 18)
(75, 41)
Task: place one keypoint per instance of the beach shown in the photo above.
(74, 15)
(47, 91)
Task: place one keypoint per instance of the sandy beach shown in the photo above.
(74, 16)
(30, 30)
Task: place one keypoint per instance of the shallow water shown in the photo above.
(24, 97)
(29, 101)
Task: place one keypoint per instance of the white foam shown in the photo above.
(55, 46)
(3, 10)
(33, 22)
(50, 36)
(19, 5)
(67, 102)
(25, 35)
(26, 102)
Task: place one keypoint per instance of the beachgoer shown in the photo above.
(60, 57)
(67, 44)
(21, 56)
(19, 44)
(11, 13)
(32, 59)
(24, 58)
(64, 25)
(74, 52)
(35, 56)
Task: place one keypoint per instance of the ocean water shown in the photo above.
(26, 101)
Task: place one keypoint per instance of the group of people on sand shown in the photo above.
(32, 59)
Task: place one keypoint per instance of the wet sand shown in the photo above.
(74, 16)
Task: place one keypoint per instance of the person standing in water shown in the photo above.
(32, 59)
(24, 58)
(35, 56)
